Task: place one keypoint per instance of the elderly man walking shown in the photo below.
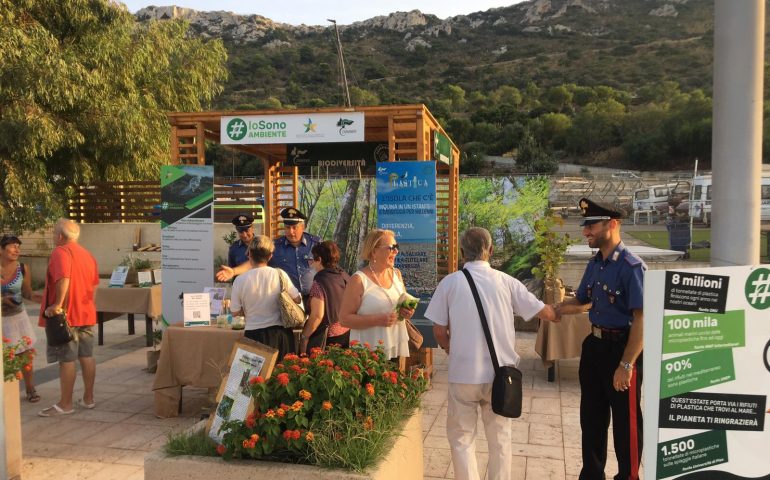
(458, 330)
(70, 282)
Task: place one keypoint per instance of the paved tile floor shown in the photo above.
(110, 441)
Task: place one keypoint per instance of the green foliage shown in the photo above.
(137, 261)
(230, 238)
(336, 408)
(17, 357)
(533, 157)
(193, 443)
(85, 91)
(550, 246)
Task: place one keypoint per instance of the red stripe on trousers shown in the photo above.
(634, 440)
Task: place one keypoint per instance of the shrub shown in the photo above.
(17, 357)
(336, 408)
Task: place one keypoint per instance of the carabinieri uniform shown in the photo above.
(294, 260)
(614, 286)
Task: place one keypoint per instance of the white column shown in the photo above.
(739, 34)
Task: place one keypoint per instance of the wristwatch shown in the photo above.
(627, 366)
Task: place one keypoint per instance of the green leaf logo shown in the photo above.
(236, 129)
(758, 288)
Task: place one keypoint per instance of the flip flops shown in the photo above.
(54, 411)
(82, 404)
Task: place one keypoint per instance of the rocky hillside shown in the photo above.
(406, 55)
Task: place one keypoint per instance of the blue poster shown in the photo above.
(406, 204)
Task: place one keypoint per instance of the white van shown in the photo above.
(659, 197)
(700, 203)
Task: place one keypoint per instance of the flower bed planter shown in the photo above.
(12, 429)
(404, 461)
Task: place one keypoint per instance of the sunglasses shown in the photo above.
(392, 248)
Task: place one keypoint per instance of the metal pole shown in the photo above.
(344, 75)
(3, 457)
(739, 34)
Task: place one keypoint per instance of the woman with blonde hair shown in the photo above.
(255, 296)
(370, 299)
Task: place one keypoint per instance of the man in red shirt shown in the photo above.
(70, 282)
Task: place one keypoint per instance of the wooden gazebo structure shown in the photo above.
(408, 129)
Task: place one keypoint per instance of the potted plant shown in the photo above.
(550, 247)
(135, 263)
(13, 365)
(153, 353)
(344, 409)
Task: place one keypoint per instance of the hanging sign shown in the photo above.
(292, 128)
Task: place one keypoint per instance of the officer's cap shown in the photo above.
(292, 216)
(595, 212)
(243, 221)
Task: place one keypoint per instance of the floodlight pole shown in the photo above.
(343, 74)
(739, 50)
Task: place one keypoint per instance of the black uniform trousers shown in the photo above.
(598, 399)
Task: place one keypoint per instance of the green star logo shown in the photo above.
(236, 129)
(310, 126)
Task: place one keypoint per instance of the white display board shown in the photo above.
(707, 373)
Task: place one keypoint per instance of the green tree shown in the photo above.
(85, 91)
(456, 95)
(533, 157)
(596, 127)
(359, 96)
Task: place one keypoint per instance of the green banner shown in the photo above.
(688, 454)
(703, 331)
(695, 371)
(442, 148)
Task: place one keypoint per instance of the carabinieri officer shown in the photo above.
(236, 254)
(611, 360)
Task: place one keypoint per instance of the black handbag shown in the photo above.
(506, 387)
(57, 330)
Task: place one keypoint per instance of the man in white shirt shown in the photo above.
(457, 328)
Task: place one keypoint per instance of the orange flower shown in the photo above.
(353, 343)
(370, 389)
(305, 395)
(254, 437)
(250, 421)
(380, 342)
(280, 412)
(27, 340)
(256, 380)
(270, 413)
(221, 449)
(283, 379)
(368, 423)
(19, 375)
(28, 367)
(367, 345)
(297, 406)
(326, 405)
(309, 436)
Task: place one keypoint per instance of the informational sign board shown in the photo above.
(187, 234)
(248, 359)
(293, 128)
(144, 278)
(406, 204)
(118, 277)
(707, 373)
(216, 297)
(196, 309)
(333, 155)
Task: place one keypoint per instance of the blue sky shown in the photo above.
(315, 12)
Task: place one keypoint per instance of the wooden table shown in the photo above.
(560, 340)
(114, 302)
(195, 356)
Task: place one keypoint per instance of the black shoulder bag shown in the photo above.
(506, 387)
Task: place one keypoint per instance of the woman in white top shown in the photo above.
(369, 303)
(255, 295)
